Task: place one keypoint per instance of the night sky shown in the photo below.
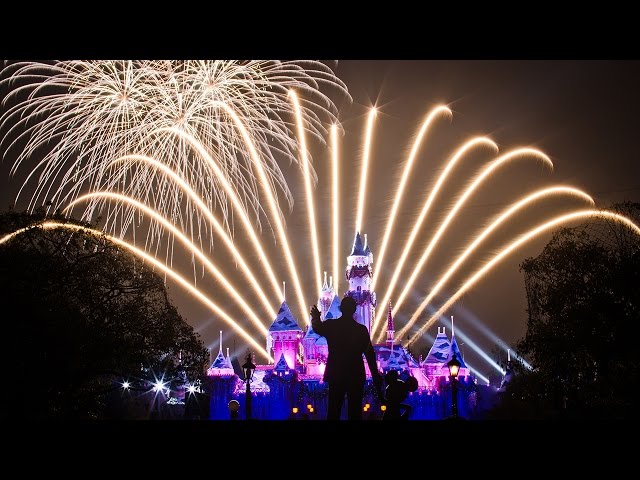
(582, 114)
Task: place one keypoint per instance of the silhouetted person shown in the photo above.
(348, 340)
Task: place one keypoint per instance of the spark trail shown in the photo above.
(474, 142)
(529, 199)
(530, 235)
(213, 220)
(486, 173)
(365, 167)
(185, 241)
(158, 264)
(440, 110)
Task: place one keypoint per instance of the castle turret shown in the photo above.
(326, 296)
(285, 336)
(221, 366)
(359, 273)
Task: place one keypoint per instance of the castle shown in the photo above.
(292, 387)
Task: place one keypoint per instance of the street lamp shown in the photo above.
(454, 368)
(248, 369)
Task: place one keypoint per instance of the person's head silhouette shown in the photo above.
(348, 307)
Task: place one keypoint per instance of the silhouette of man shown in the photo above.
(348, 340)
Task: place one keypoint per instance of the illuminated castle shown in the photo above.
(292, 387)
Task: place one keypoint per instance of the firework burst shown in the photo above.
(85, 114)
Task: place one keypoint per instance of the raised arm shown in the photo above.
(316, 323)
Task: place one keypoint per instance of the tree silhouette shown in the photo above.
(79, 314)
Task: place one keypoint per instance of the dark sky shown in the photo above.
(583, 114)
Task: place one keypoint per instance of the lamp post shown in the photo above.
(454, 368)
(248, 369)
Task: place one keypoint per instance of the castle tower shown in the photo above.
(285, 336)
(221, 366)
(326, 297)
(359, 274)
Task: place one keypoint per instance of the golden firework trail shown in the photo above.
(485, 174)
(474, 142)
(158, 264)
(365, 167)
(336, 206)
(502, 218)
(308, 189)
(439, 110)
(195, 198)
(531, 234)
(191, 247)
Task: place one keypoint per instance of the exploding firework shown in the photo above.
(84, 114)
(219, 155)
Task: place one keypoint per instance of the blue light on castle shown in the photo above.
(292, 387)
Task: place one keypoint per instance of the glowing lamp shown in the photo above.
(192, 389)
(159, 385)
(294, 410)
(309, 406)
(311, 410)
(125, 385)
(383, 408)
(454, 367)
(367, 406)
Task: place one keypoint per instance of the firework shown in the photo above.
(512, 210)
(513, 246)
(162, 267)
(95, 111)
(194, 146)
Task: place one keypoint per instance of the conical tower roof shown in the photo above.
(455, 351)
(358, 247)
(220, 361)
(285, 321)
(334, 309)
(281, 366)
(439, 352)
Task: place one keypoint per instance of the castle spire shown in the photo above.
(390, 329)
(324, 285)
(220, 351)
(358, 248)
(284, 291)
(453, 333)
